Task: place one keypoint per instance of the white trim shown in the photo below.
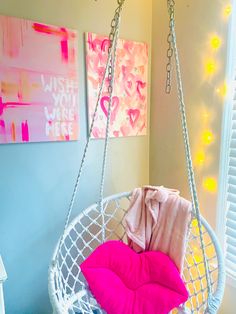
(2, 306)
(3, 277)
(3, 274)
(225, 137)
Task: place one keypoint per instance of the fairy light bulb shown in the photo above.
(227, 10)
(215, 42)
(207, 137)
(222, 90)
(200, 158)
(210, 66)
(210, 184)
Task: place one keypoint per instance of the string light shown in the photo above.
(207, 137)
(227, 10)
(210, 184)
(200, 158)
(195, 223)
(215, 42)
(222, 90)
(210, 66)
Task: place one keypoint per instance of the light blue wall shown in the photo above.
(36, 180)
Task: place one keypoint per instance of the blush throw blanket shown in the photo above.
(158, 219)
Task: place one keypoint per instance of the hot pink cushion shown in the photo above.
(123, 281)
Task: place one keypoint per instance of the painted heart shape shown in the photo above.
(128, 81)
(125, 130)
(104, 102)
(126, 282)
(97, 133)
(140, 85)
(130, 88)
(105, 44)
(133, 116)
(116, 133)
(129, 84)
(94, 43)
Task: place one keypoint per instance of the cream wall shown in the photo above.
(37, 179)
(196, 21)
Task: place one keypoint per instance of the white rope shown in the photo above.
(191, 178)
(104, 162)
(111, 76)
(114, 27)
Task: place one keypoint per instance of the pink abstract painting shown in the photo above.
(129, 103)
(38, 82)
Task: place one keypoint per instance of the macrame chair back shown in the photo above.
(68, 289)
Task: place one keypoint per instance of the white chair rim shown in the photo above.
(218, 294)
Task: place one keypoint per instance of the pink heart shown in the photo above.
(125, 130)
(105, 44)
(114, 106)
(116, 133)
(128, 81)
(129, 86)
(93, 42)
(140, 85)
(133, 116)
(97, 132)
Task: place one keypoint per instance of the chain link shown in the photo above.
(169, 54)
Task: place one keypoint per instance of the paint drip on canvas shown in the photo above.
(38, 82)
(129, 102)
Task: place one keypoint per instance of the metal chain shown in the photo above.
(111, 76)
(171, 5)
(191, 177)
(114, 27)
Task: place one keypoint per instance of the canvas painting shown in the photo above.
(129, 102)
(38, 82)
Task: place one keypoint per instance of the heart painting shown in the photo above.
(129, 101)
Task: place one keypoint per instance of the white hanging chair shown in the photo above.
(204, 267)
(69, 292)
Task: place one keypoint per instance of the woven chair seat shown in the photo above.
(68, 290)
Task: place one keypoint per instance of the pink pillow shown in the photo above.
(123, 281)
